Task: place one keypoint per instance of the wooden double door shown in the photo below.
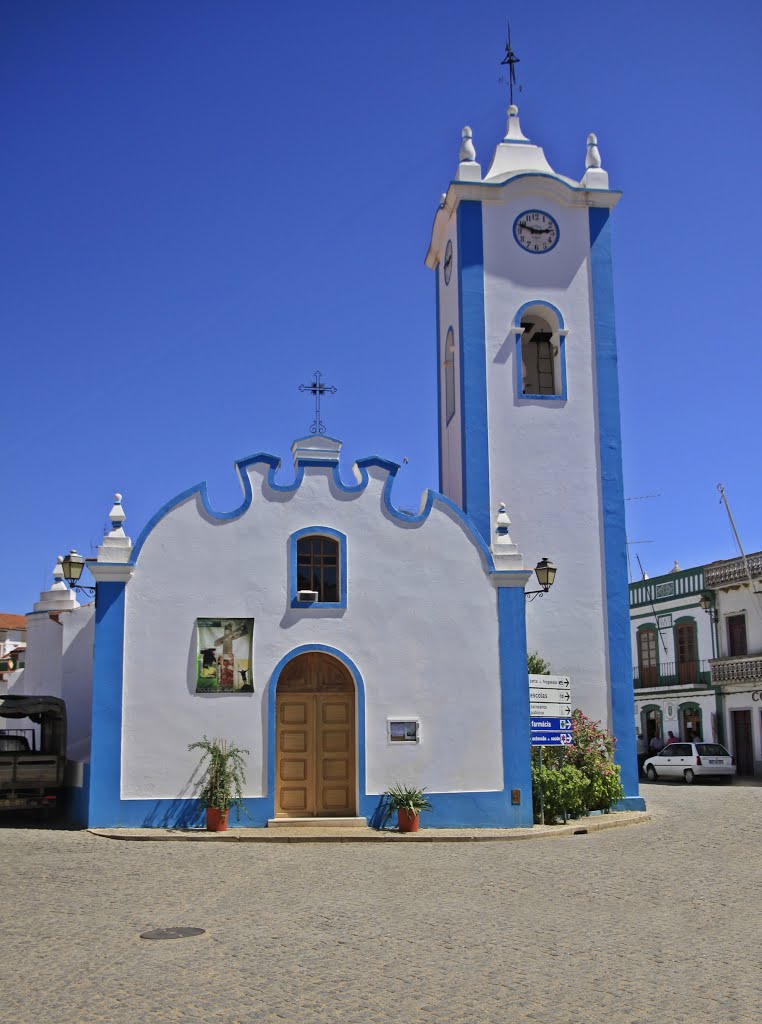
(315, 739)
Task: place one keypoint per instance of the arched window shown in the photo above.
(648, 656)
(689, 715)
(449, 376)
(537, 356)
(540, 352)
(318, 568)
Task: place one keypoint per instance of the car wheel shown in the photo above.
(651, 773)
(689, 776)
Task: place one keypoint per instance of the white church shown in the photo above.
(345, 643)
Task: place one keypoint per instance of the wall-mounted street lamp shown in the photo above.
(545, 572)
(706, 602)
(72, 566)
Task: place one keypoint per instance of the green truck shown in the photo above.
(32, 754)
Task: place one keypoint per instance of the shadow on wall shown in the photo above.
(180, 813)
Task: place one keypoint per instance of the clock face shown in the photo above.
(448, 263)
(535, 231)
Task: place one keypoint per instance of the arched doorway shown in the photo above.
(651, 724)
(689, 715)
(315, 739)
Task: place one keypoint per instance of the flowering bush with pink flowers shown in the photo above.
(593, 785)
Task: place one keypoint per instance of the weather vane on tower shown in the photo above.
(317, 388)
(511, 60)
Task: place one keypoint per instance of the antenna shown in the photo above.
(511, 60)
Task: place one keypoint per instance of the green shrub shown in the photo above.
(580, 777)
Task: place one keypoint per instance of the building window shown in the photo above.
(685, 648)
(737, 647)
(537, 355)
(318, 568)
(449, 376)
(648, 660)
(540, 352)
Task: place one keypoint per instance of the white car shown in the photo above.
(689, 760)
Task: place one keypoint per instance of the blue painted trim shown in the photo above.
(612, 498)
(322, 531)
(391, 468)
(514, 682)
(562, 397)
(106, 739)
(516, 142)
(473, 367)
(440, 428)
(536, 252)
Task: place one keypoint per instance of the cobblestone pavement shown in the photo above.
(656, 922)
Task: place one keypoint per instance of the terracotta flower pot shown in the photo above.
(216, 820)
(407, 820)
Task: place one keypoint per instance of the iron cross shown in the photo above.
(318, 389)
(511, 60)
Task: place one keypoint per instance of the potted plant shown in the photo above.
(220, 784)
(408, 802)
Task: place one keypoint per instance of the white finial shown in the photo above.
(442, 199)
(503, 519)
(58, 574)
(467, 151)
(593, 158)
(676, 567)
(513, 132)
(117, 513)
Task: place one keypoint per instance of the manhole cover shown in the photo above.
(171, 933)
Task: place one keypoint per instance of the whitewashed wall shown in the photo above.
(420, 625)
(678, 608)
(737, 602)
(59, 663)
(544, 459)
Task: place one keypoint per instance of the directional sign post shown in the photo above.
(550, 722)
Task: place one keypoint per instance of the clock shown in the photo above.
(448, 262)
(535, 231)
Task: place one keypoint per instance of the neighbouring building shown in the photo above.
(697, 645)
(348, 644)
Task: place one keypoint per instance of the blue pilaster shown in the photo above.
(514, 681)
(612, 497)
(106, 744)
(473, 366)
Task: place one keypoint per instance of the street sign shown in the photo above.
(538, 708)
(549, 683)
(544, 723)
(537, 693)
(551, 739)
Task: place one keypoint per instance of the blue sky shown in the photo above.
(205, 202)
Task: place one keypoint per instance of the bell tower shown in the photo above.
(529, 399)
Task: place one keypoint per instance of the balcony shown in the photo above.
(723, 574)
(670, 673)
(747, 669)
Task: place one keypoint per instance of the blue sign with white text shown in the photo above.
(561, 724)
(550, 738)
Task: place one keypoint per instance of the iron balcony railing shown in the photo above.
(733, 572)
(670, 673)
(747, 669)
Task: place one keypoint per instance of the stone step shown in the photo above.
(319, 823)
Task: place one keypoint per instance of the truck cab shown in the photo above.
(33, 755)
